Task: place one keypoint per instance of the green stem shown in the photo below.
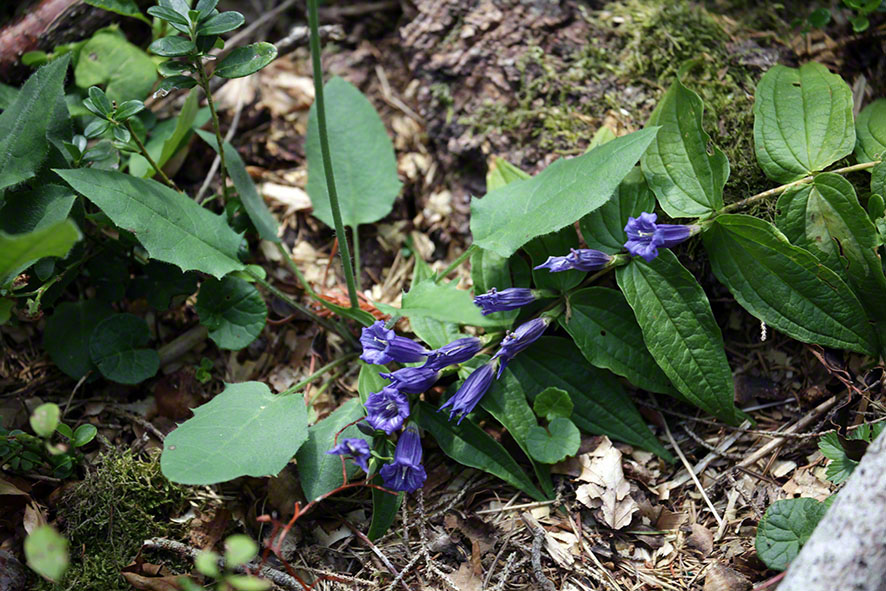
(216, 126)
(147, 156)
(356, 256)
(320, 103)
(325, 386)
(318, 373)
(458, 261)
(797, 183)
(297, 272)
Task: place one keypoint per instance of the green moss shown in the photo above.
(123, 501)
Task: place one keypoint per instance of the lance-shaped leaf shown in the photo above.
(870, 129)
(432, 331)
(604, 229)
(802, 121)
(172, 227)
(509, 217)
(785, 286)
(318, 471)
(686, 179)
(19, 251)
(244, 431)
(825, 218)
(680, 331)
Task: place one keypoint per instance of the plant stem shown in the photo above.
(216, 127)
(319, 102)
(144, 152)
(454, 264)
(325, 386)
(297, 272)
(318, 373)
(797, 183)
(356, 238)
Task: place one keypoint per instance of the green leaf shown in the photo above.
(232, 310)
(98, 102)
(468, 444)
(239, 549)
(161, 283)
(785, 286)
(825, 218)
(601, 405)
(680, 331)
(244, 431)
(318, 471)
(6, 307)
(368, 380)
(19, 251)
(116, 346)
(501, 172)
(172, 227)
(802, 121)
(167, 14)
(45, 419)
(686, 179)
(109, 59)
(560, 440)
(384, 511)
(878, 179)
(169, 136)
(25, 123)
(128, 109)
(555, 244)
(785, 528)
(551, 403)
(435, 333)
(172, 46)
(47, 552)
(247, 583)
(489, 270)
(66, 337)
(509, 217)
(603, 326)
(222, 22)
(362, 158)
(206, 562)
(246, 60)
(870, 130)
(441, 301)
(83, 435)
(604, 229)
(255, 206)
(121, 7)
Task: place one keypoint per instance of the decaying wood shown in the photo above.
(847, 549)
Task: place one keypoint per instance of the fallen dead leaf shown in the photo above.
(465, 579)
(606, 488)
(292, 198)
(722, 578)
(700, 539)
(804, 484)
(34, 517)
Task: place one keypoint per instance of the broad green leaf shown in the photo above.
(786, 526)
(680, 331)
(604, 229)
(384, 511)
(246, 60)
(841, 465)
(551, 403)
(161, 282)
(686, 179)
(441, 301)
(605, 329)
(825, 218)
(878, 179)
(601, 405)
(232, 310)
(172, 46)
(432, 331)
(255, 206)
(7, 95)
(560, 440)
(468, 444)
(368, 380)
(555, 244)
(24, 124)
(239, 549)
(244, 431)
(870, 131)
(117, 347)
(19, 251)
(45, 419)
(66, 337)
(362, 158)
(121, 7)
(802, 121)
(26, 211)
(172, 227)
(501, 172)
(47, 552)
(509, 217)
(222, 22)
(318, 471)
(109, 59)
(785, 286)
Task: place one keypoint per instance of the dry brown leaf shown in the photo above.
(168, 583)
(34, 517)
(292, 198)
(722, 578)
(465, 579)
(8, 488)
(606, 488)
(804, 484)
(700, 539)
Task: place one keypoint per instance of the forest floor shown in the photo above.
(459, 82)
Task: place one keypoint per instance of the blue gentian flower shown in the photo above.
(504, 300)
(458, 351)
(382, 345)
(356, 448)
(387, 409)
(525, 334)
(405, 473)
(580, 259)
(470, 392)
(645, 236)
(412, 380)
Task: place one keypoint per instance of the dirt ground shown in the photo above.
(456, 83)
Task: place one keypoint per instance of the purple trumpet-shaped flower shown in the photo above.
(356, 448)
(382, 345)
(645, 237)
(580, 259)
(458, 351)
(405, 473)
(504, 300)
(525, 334)
(412, 380)
(387, 409)
(470, 392)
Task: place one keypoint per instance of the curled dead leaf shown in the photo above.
(606, 488)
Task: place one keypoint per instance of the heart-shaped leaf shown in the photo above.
(551, 403)
(66, 337)
(232, 310)
(117, 347)
(558, 442)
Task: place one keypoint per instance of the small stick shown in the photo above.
(692, 475)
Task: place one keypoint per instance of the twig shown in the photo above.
(299, 34)
(692, 475)
(513, 507)
(145, 424)
(147, 156)
(216, 162)
(538, 539)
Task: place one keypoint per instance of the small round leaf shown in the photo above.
(67, 333)
(552, 403)
(117, 348)
(246, 60)
(44, 419)
(83, 435)
(221, 23)
(559, 441)
(100, 101)
(206, 563)
(172, 46)
(47, 552)
(247, 583)
(174, 68)
(232, 310)
(239, 549)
